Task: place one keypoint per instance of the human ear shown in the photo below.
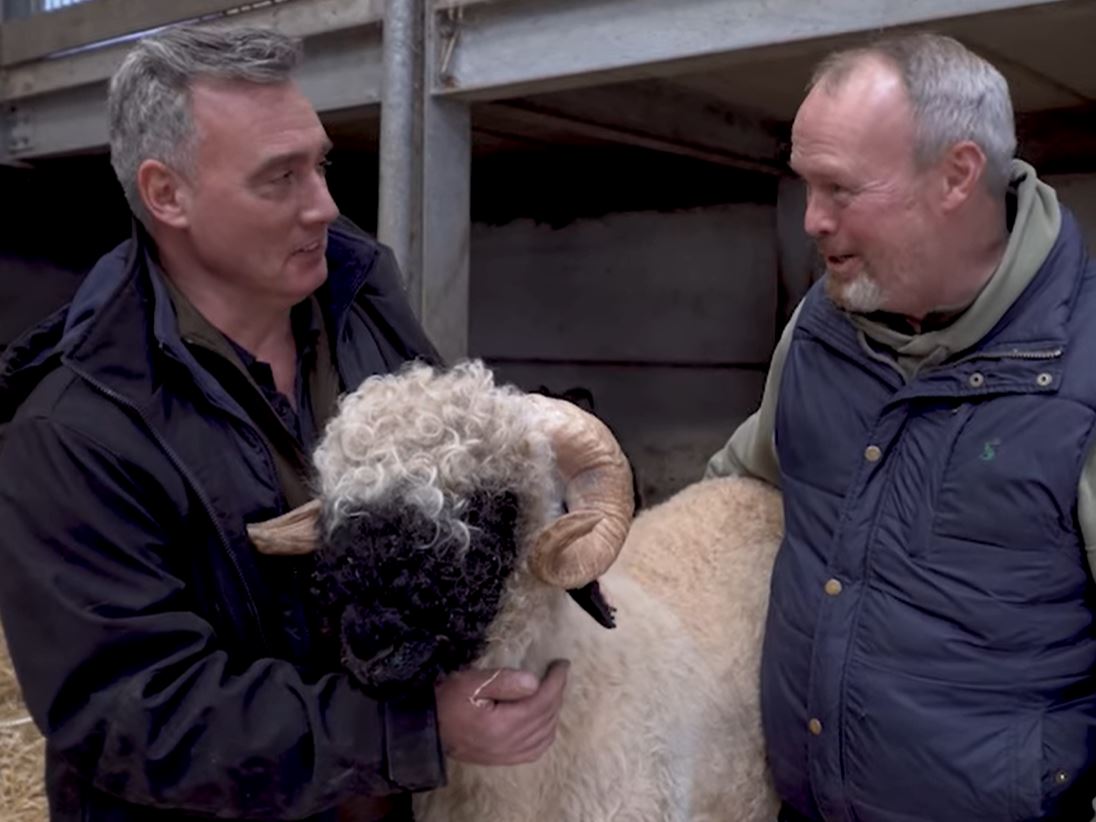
(164, 193)
(963, 166)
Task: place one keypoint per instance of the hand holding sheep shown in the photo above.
(502, 717)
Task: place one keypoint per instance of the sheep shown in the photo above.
(463, 523)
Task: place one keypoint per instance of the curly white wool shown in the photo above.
(430, 439)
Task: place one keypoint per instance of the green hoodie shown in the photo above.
(751, 449)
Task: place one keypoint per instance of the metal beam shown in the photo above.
(425, 177)
(402, 101)
(652, 114)
(69, 121)
(342, 69)
(65, 109)
(447, 226)
(441, 295)
(505, 49)
(306, 20)
(41, 35)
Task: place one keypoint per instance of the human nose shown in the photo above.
(320, 206)
(818, 220)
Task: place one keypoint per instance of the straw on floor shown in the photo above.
(22, 798)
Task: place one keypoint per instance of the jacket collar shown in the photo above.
(125, 299)
(1038, 318)
(1024, 352)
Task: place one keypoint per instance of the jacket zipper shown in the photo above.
(1049, 354)
(198, 490)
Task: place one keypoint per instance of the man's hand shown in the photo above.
(502, 717)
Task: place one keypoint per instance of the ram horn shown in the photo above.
(579, 546)
(290, 534)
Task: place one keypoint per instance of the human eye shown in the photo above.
(840, 193)
(282, 178)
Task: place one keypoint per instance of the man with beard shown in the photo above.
(930, 644)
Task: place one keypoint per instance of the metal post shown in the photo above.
(447, 195)
(401, 140)
(425, 173)
(447, 226)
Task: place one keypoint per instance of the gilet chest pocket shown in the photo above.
(996, 487)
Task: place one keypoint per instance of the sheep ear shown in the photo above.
(590, 599)
(289, 534)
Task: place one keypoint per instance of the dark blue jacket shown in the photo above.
(157, 651)
(930, 652)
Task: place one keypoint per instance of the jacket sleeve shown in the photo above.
(751, 450)
(130, 684)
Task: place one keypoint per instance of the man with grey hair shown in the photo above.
(175, 673)
(930, 648)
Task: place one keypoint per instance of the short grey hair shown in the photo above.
(149, 99)
(955, 94)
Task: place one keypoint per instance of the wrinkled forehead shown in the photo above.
(254, 120)
(864, 117)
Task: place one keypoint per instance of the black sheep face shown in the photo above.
(405, 600)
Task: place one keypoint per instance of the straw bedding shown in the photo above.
(22, 798)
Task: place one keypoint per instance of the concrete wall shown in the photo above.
(668, 318)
